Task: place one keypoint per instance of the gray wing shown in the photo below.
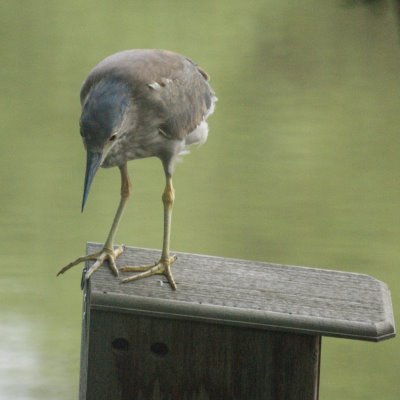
(164, 85)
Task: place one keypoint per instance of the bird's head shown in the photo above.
(104, 111)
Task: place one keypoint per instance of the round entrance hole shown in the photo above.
(120, 344)
(159, 349)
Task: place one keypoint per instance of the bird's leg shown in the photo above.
(163, 266)
(107, 253)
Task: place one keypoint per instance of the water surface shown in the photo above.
(301, 166)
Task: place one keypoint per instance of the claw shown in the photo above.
(78, 261)
(163, 267)
(105, 254)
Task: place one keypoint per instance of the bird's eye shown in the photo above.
(113, 137)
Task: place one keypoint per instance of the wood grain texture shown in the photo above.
(250, 294)
(202, 361)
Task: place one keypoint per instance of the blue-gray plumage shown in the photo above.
(137, 104)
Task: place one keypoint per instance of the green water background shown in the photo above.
(301, 166)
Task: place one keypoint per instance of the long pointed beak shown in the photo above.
(93, 162)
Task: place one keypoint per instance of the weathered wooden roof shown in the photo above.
(251, 294)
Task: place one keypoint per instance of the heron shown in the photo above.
(137, 104)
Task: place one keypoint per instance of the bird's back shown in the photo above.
(165, 86)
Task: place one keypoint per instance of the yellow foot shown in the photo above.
(163, 267)
(105, 254)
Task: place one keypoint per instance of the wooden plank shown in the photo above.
(251, 294)
(149, 358)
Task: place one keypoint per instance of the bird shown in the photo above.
(136, 104)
